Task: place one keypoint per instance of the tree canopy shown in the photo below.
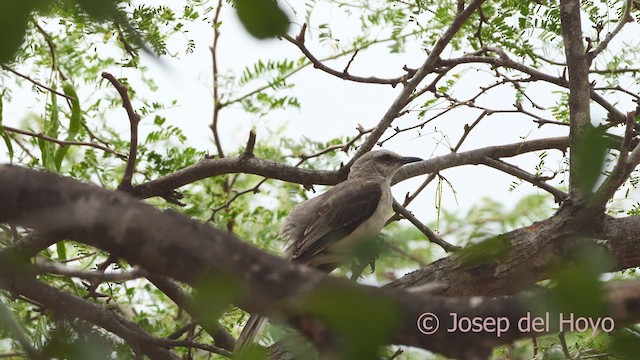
(140, 240)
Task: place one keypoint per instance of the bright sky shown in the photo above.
(332, 107)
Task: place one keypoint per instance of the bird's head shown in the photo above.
(382, 163)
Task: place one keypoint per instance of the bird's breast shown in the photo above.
(370, 228)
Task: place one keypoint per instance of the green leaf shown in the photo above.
(51, 127)
(14, 18)
(262, 18)
(366, 322)
(489, 250)
(74, 122)
(578, 290)
(61, 249)
(100, 10)
(3, 133)
(592, 148)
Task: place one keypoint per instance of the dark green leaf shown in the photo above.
(366, 322)
(262, 18)
(3, 133)
(592, 148)
(14, 19)
(74, 122)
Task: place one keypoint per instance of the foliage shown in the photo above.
(58, 51)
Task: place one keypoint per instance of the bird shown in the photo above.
(324, 232)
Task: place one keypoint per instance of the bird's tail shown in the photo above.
(252, 330)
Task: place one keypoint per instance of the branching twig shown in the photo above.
(433, 237)
(65, 142)
(100, 268)
(93, 276)
(344, 74)
(214, 69)
(8, 322)
(183, 300)
(34, 82)
(558, 195)
(52, 50)
(624, 19)
(624, 166)
(426, 68)
(134, 121)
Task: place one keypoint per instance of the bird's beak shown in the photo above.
(408, 160)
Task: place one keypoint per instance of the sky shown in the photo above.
(332, 106)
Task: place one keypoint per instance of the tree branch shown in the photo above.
(171, 244)
(426, 68)
(35, 82)
(624, 19)
(67, 305)
(65, 142)
(579, 96)
(558, 195)
(344, 74)
(134, 120)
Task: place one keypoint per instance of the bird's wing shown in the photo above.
(341, 213)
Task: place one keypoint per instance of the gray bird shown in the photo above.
(323, 232)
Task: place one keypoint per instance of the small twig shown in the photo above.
(64, 142)
(10, 323)
(255, 189)
(91, 289)
(43, 267)
(35, 82)
(346, 68)
(565, 348)
(52, 50)
(396, 354)
(127, 46)
(134, 120)
(184, 329)
(433, 237)
(168, 343)
(422, 186)
(216, 91)
(299, 42)
(251, 144)
(624, 19)
(467, 130)
(559, 195)
(342, 147)
(625, 164)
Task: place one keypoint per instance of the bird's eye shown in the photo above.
(386, 158)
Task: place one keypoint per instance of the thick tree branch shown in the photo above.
(478, 156)
(529, 252)
(67, 305)
(579, 96)
(173, 245)
(275, 170)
